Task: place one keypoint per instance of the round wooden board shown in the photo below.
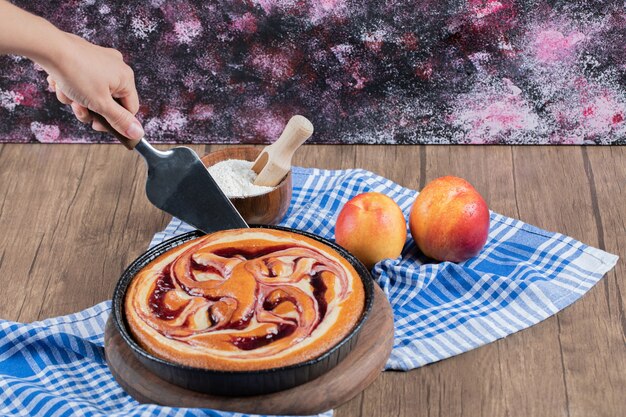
(351, 376)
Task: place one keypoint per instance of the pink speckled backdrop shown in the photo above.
(370, 71)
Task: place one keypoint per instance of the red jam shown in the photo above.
(255, 342)
(250, 253)
(160, 310)
(319, 292)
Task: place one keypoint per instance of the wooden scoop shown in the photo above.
(274, 162)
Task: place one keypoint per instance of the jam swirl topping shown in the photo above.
(250, 295)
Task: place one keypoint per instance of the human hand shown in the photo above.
(90, 77)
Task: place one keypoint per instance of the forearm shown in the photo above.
(22, 33)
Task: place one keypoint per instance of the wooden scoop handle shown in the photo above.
(297, 131)
(275, 160)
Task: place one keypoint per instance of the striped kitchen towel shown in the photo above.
(522, 276)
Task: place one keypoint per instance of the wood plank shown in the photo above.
(593, 331)
(36, 187)
(531, 360)
(401, 164)
(554, 193)
(325, 156)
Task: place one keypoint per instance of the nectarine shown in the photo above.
(372, 227)
(449, 220)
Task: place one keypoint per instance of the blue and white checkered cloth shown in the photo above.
(523, 275)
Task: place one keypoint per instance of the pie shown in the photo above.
(244, 299)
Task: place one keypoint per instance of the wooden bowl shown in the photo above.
(268, 208)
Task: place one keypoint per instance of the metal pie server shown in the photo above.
(179, 184)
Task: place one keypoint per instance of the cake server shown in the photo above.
(179, 184)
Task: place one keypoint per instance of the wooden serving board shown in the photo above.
(351, 376)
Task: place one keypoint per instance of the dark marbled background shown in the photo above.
(373, 71)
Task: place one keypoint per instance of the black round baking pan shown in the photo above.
(237, 383)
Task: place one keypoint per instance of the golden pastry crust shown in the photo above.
(244, 299)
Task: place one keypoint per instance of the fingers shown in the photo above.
(96, 125)
(81, 113)
(52, 85)
(62, 97)
(131, 101)
(127, 93)
(121, 119)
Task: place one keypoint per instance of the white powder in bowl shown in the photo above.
(236, 178)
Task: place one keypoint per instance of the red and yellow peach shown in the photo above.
(449, 220)
(372, 227)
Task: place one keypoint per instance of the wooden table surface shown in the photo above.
(72, 217)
